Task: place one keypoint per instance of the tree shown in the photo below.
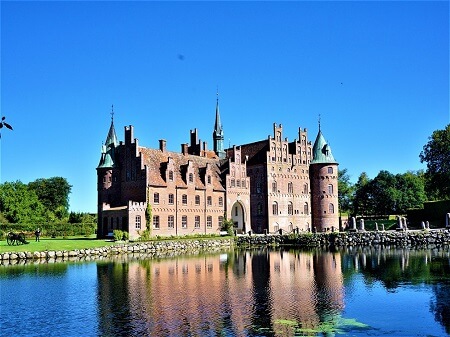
(19, 204)
(362, 203)
(436, 153)
(411, 191)
(54, 194)
(345, 191)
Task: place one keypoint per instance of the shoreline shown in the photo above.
(423, 239)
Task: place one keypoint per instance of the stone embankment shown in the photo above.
(413, 239)
(143, 249)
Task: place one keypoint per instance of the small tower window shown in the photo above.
(331, 208)
(330, 170)
(330, 189)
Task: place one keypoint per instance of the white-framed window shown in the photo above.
(156, 198)
(171, 199)
(209, 221)
(184, 199)
(184, 221)
(170, 221)
(197, 200)
(220, 219)
(220, 201)
(330, 189)
(138, 222)
(209, 201)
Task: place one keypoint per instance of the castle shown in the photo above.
(268, 186)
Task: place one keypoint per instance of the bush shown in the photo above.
(126, 236)
(118, 235)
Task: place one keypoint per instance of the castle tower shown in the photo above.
(107, 174)
(324, 186)
(218, 133)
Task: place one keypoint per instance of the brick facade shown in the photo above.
(267, 186)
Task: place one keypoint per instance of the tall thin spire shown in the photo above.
(218, 132)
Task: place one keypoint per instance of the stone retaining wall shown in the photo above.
(149, 249)
(425, 239)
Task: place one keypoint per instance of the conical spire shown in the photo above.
(322, 151)
(111, 139)
(108, 149)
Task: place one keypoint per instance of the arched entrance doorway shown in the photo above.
(237, 215)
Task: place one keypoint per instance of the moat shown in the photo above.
(235, 292)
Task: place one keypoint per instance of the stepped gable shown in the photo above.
(156, 161)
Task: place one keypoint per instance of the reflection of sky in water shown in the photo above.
(404, 311)
(247, 293)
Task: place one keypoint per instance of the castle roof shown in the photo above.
(108, 149)
(157, 162)
(322, 151)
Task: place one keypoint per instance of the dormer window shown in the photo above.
(191, 177)
(171, 175)
(209, 179)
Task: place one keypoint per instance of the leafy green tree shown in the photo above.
(436, 153)
(411, 191)
(362, 202)
(346, 191)
(20, 204)
(54, 194)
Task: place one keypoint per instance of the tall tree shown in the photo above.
(54, 194)
(346, 191)
(362, 203)
(436, 153)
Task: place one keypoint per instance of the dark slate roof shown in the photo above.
(156, 161)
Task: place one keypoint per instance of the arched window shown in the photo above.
(290, 208)
(305, 208)
(331, 208)
(290, 187)
(330, 170)
(305, 188)
(330, 189)
(275, 208)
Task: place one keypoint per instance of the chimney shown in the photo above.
(184, 148)
(162, 145)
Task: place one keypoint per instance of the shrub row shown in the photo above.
(49, 229)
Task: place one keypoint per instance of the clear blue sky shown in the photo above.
(376, 72)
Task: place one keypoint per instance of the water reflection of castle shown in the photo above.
(234, 293)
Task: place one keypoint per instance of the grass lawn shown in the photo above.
(71, 243)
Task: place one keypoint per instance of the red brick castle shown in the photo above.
(268, 186)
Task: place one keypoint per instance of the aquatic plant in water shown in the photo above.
(336, 325)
